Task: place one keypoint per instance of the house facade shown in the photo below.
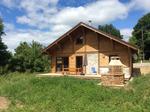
(86, 50)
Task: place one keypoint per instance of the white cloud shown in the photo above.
(99, 12)
(37, 14)
(140, 5)
(8, 27)
(14, 36)
(43, 16)
(126, 32)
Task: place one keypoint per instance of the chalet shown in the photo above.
(86, 50)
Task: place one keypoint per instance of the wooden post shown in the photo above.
(112, 45)
(98, 39)
(84, 44)
(130, 60)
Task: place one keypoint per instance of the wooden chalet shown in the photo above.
(87, 50)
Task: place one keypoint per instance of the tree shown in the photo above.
(110, 29)
(4, 54)
(141, 36)
(29, 57)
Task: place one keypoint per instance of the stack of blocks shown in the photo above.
(114, 77)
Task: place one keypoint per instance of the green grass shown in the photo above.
(66, 94)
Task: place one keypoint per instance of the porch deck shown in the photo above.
(76, 76)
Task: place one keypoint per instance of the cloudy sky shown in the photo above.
(45, 20)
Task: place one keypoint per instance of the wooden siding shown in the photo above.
(91, 42)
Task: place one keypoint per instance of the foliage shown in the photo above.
(1, 27)
(65, 94)
(142, 25)
(133, 40)
(29, 58)
(110, 29)
(4, 54)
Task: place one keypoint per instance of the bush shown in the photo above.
(4, 70)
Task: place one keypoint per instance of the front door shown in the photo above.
(79, 64)
(79, 61)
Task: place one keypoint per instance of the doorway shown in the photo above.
(79, 61)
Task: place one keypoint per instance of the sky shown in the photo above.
(45, 20)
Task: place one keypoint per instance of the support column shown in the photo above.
(130, 60)
(112, 45)
(53, 64)
(98, 39)
(85, 54)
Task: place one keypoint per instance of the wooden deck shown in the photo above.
(76, 76)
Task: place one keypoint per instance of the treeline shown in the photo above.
(28, 57)
(141, 37)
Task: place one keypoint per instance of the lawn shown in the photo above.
(28, 93)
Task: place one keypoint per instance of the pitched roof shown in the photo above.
(117, 39)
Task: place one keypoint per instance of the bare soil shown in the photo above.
(4, 103)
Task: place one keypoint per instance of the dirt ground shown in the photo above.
(4, 103)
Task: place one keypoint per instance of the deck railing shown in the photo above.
(74, 71)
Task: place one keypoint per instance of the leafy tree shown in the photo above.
(110, 29)
(133, 40)
(4, 54)
(29, 57)
(142, 28)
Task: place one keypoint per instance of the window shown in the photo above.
(79, 40)
(113, 56)
(61, 62)
(66, 62)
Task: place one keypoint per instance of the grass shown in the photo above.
(28, 93)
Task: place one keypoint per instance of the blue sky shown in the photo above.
(45, 20)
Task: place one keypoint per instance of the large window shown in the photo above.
(61, 62)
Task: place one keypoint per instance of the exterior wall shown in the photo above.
(72, 61)
(94, 43)
(53, 64)
(105, 44)
(67, 47)
(91, 42)
(141, 68)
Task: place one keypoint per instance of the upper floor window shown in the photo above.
(79, 40)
